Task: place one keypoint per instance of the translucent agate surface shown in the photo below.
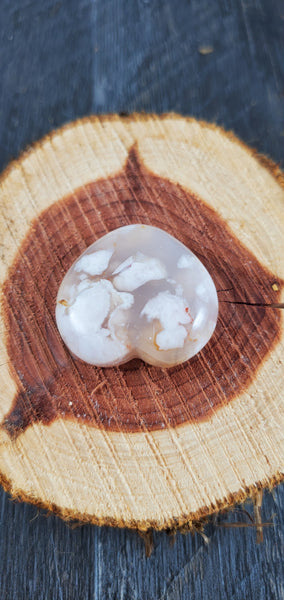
(136, 292)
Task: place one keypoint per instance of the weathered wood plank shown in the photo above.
(60, 60)
(42, 558)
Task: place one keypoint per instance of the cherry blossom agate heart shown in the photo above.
(136, 292)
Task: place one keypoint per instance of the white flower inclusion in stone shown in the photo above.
(136, 292)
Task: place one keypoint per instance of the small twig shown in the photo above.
(255, 525)
(195, 527)
(205, 538)
(36, 516)
(257, 516)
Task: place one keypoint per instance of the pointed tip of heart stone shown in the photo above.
(136, 292)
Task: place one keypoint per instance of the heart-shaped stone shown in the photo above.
(136, 292)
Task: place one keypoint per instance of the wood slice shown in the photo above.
(136, 445)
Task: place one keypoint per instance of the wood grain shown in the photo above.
(135, 396)
(195, 453)
(64, 59)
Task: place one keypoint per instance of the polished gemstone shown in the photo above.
(136, 292)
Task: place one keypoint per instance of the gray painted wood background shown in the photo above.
(63, 59)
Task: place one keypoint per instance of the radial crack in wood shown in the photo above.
(137, 445)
